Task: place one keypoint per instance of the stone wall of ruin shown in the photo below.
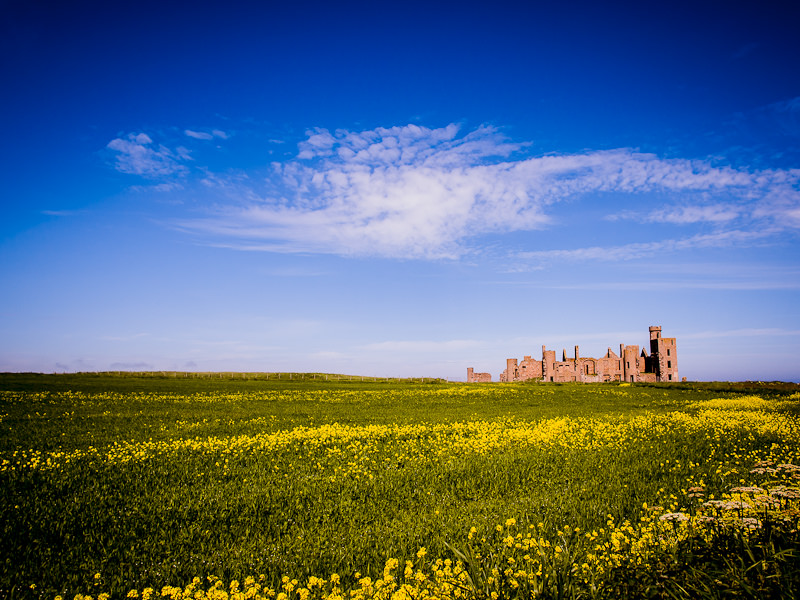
(630, 365)
(473, 377)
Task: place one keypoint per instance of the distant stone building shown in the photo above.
(629, 365)
(473, 377)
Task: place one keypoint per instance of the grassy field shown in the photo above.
(241, 486)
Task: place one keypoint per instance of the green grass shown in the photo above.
(213, 493)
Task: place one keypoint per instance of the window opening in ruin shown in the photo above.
(631, 378)
(670, 376)
(669, 364)
(667, 351)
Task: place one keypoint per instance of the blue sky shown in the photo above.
(398, 189)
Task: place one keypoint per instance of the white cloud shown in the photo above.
(137, 154)
(61, 213)
(783, 116)
(199, 135)
(401, 192)
(414, 192)
(204, 135)
(642, 250)
(683, 215)
(680, 284)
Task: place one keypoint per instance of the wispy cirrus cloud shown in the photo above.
(782, 116)
(407, 192)
(415, 192)
(683, 276)
(62, 213)
(682, 215)
(206, 135)
(637, 251)
(137, 154)
(765, 135)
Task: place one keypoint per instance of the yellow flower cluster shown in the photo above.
(298, 396)
(437, 579)
(348, 451)
(512, 561)
(745, 403)
(759, 484)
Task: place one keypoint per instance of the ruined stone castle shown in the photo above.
(629, 365)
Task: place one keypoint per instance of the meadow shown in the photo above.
(236, 487)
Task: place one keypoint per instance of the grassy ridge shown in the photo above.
(184, 381)
(147, 486)
(187, 382)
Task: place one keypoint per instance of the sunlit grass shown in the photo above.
(397, 491)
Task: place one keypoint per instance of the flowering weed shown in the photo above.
(449, 491)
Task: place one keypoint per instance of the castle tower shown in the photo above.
(630, 363)
(512, 370)
(548, 364)
(664, 353)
